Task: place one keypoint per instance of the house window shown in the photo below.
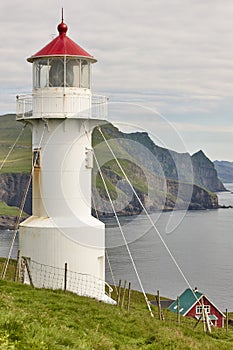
(199, 309)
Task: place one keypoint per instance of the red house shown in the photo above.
(191, 303)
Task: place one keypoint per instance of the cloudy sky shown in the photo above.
(170, 59)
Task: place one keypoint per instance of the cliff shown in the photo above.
(155, 192)
(205, 173)
(12, 187)
(182, 167)
(163, 179)
(224, 170)
(158, 194)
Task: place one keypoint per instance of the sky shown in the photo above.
(166, 65)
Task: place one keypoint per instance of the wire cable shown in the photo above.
(106, 252)
(21, 211)
(13, 146)
(122, 233)
(147, 214)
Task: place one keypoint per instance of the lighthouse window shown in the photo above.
(85, 74)
(56, 72)
(40, 76)
(72, 72)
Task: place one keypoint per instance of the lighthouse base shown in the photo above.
(70, 256)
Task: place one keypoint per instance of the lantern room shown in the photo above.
(62, 63)
(61, 72)
(62, 82)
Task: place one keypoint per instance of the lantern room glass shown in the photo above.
(61, 72)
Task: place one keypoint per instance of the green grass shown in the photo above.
(42, 319)
(133, 173)
(8, 210)
(10, 273)
(20, 158)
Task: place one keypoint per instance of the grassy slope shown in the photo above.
(10, 211)
(41, 319)
(20, 158)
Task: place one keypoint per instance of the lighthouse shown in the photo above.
(62, 113)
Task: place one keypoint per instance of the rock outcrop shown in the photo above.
(9, 222)
(196, 169)
(224, 170)
(205, 174)
(163, 179)
(12, 188)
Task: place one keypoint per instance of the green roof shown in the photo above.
(187, 299)
(211, 317)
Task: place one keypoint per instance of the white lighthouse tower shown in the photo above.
(62, 113)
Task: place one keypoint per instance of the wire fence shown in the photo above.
(12, 272)
(50, 277)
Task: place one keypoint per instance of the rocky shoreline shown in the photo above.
(8, 222)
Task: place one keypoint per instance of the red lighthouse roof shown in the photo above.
(62, 45)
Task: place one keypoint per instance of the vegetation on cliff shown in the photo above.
(163, 179)
(20, 159)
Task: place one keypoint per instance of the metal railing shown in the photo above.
(88, 106)
(23, 106)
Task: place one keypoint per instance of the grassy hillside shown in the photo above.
(42, 319)
(7, 210)
(151, 171)
(20, 158)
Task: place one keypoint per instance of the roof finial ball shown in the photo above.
(62, 27)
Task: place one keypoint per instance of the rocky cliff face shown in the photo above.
(163, 179)
(178, 196)
(12, 187)
(205, 174)
(196, 169)
(158, 193)
(165, 195)
(224, 170)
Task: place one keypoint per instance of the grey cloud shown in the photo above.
(178, 48)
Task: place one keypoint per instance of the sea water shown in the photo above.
(196, 252)
(179, 250)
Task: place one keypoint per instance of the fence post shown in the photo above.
(123, 296)
(203, 315)
(65, 277)
(129, 292)
(160, 312)
(227, 316)
(28, 271)
(119, 294)
(17, 266)
(22, 270)
(178, 310)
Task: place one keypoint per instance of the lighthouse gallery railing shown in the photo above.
(99, 106)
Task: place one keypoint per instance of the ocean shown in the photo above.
(187, 249)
